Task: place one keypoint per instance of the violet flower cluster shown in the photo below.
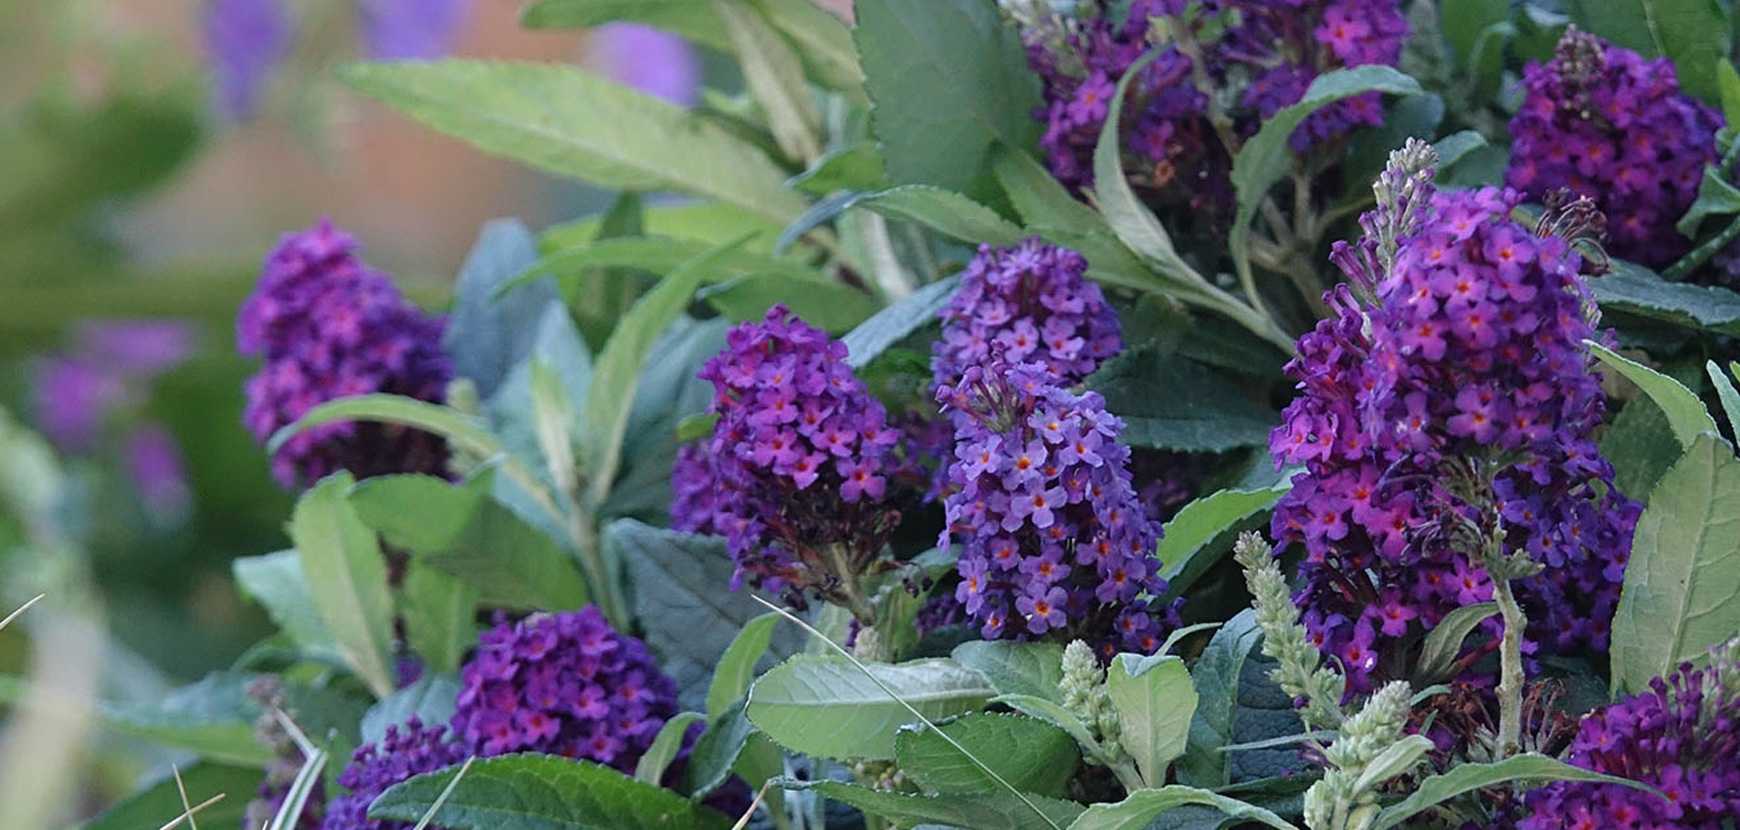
(802, 458)
(1613, 126)
(1026, 303)
(407, 750)
(1681, 737)
(1055, 541)
(329, 326)
(1457, 395)
(1237, 60)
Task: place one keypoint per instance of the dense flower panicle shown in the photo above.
(329, 326)
(803, 459)
(1055, 541)
(1026, 303)
(1681, 737)
(1613, 126)
(1461, 393)
(563, 684)
(406, 750)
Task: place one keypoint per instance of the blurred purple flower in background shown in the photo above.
(410, 29)
(652, 61)
(245, 40)
(154, 466)
(70, 398)
(138, 348)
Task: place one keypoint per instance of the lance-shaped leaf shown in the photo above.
(347, 577)
(543, 792)
(1028, 753)
(826, 706)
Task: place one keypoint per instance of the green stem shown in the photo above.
(1510, 683)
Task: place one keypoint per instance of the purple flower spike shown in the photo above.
(329, 326)
(245, 40)
(407, 750)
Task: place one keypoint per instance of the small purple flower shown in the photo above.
(245, 41)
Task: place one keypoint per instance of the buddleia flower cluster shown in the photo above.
(801, 462)
(328, 326)
(1054, 540)
(1236, 61)
(1680, 737)
(1450, 404)
(406, 750)
(1613, 126)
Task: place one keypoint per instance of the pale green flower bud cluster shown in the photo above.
(462, 396)
(1300, 673)
(1369, 750)
(1085, 696)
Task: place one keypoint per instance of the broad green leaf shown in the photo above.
(1696, 34)
(276, 581)
(717, 750)
(736, 669)
(1201, 410)
(431, 699)
(705, 222)
(858, 167)
(827, 707)
(1215, 677)
(439, 610)
(1641, 445)
(1199, 523)
(543, 792)
(1635, 290)
(571, 123)
(998, 809)
(1267, 158)
(689, 619)
(1682, 586)
(347, 577)
(212, 718)
(892, 324)
(948, 81)
(944, 211)
(1037, 195)
(1685, 413)
(1464, 20)
(1727, 394)
(605, 418)
(419, 513)
(1444, 644)
(1470, 777)
(1155, 702)
(1053, 713)
(829, 305)
(488, 335)
(1130, 220)
(694, 20)
(823, 41)
(1030, 754)
(665, 746)
(1139, 810)
(775, 77)
(1013, 668)
(159, 803)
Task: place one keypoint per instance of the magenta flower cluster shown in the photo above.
(1250, 57)
(1610, 125)
(1026, 303)
(801, 459)
(407, 750)
(1681, 737)
(1458, 394)
(328, 326)
(1054, 539)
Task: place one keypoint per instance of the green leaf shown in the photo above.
(704, 222)
(571, 123)
(1141, 808)
(827, 707)
(1464, 20)
(1201, 412)
(276, 581)
(998, 809)
(543, 792)
(948, 81)
(694, 20)
(212, 718)
(1012, 668)
(1030, 754)
(823, 41)
(439, 610)
(1267, 158)
(460, 529)
(1215, 677)
(488, 335)
(1130, 220)
(731, 678)
(1696, 34)
(775, 77)
(1685, 413)
(605, 418)
(1682, 586)
(159, 803)
(1727, 394)
(892, 324)
(1633, 289)
(1470, 777)
(688, 618)
(1155, 702)
(858, 167)
(1202, 521)
(1444, 644)
(1037, 195)
(1716, 197)
(1641, 445)
(1728, 89)
(944, 211)
(347, 577)
(665, 746)
(532, 409)
(573, 266)
(668, 392)
(718, 749)
(431, 699)
(828, 305)
(1053, 713)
